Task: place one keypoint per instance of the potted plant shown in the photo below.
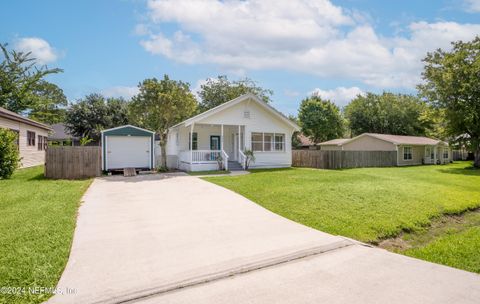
(249, 157)
(219, 160)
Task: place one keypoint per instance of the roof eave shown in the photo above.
(26, 121)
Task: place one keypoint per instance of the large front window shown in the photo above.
(445, 153)
(266, 142)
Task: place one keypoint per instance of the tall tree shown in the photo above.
(94, 113)
(320, 119)
(388, 113)
(23, 88)
(50, 103)
(452, 81)
(161, 104)
(220, 90)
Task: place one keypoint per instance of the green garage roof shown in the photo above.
(128, 130)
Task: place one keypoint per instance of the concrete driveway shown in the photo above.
(179, 239)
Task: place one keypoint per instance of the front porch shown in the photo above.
(436, 155)
(206, 146)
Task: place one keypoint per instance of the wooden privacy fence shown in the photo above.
(343, 159)
(73, 162)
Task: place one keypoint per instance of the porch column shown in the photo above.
(191, 143)
(435, 155)
(239, 133)
(221, 137)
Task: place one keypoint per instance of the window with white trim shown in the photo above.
(268, 142)
(279, 142)
(30, 138)
(445, 153)
(257, 141)
(407, 153)
(40, 143)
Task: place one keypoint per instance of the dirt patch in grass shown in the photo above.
(445, 225)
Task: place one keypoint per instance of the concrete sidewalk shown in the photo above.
(142, 238)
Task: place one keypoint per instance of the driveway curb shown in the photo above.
(229, 272)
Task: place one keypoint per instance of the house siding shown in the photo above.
(418, 153)
(30, 155)
(368, 143)
(330, 147)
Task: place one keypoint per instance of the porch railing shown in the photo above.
(225, 159)
(241, 158)
(199, 156)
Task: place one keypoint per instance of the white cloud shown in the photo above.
(309, 36)
(472, 6)
(120, 91)
(141, 29)
(340, 96)
(40, 49)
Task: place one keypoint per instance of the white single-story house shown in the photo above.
(31, 137)
(411, 150)
(244, 123)
(127, 147)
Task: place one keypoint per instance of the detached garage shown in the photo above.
(127, 147)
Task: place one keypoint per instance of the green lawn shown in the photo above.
(460, 250)
(456, 242)
(367, 204)
(36, 228)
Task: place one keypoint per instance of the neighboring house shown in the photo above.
(334, 144)
(244, 123)
(411, 150)
(305, 143)
(61, 137)
(32, 137)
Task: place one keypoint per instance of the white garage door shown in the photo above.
(128, 152)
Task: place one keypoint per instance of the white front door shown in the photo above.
(128, 152)
(235, 146)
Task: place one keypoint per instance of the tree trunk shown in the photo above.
(476, 163)
(163, 151)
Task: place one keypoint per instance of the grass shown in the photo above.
(372, 204)
(215, 172)
(455, 249)
(37, 222)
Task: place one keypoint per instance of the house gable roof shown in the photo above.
(60, 133)
(235, 101)
(394, 139)
(403, 139)
(304, 140)
(334, 142)
(17, 117)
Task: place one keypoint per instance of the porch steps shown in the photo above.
(234, 166)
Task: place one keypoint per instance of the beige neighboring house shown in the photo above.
(32, 137)
(411, 150)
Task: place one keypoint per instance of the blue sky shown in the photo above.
(336, 49)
